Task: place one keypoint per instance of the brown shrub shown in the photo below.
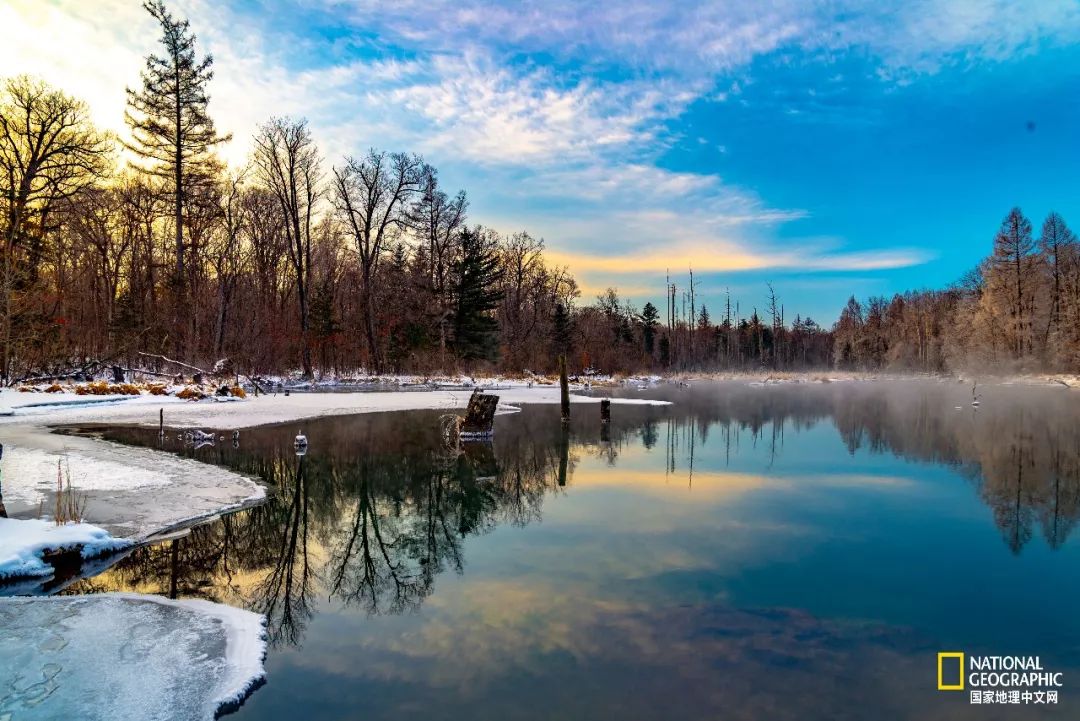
(238, 392)
(157, 389)
(54, 388)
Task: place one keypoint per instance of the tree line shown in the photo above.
(151, 243)
(1017, 310)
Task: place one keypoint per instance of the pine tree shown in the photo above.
(476, 332)
(168, 116)
(561, 331)
(650, 317)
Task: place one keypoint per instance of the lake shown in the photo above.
(796, 551)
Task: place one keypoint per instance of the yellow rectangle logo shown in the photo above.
(959, 685)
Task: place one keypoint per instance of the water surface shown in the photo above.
(777, 552)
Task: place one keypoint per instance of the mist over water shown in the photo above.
(750, 552)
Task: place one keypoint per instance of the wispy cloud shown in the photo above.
(556, 115)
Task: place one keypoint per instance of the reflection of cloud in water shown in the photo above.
(517, 646)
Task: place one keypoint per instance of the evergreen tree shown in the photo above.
(704, 319)
(168, 116)
(650, 318)
(561, 331)
(476, 332)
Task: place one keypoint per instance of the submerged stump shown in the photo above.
(479, 416)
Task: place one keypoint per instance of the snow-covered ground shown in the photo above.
(72, 409)
(125, 656)
(23, 543)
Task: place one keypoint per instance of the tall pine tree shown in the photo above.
(170, 126)
(476, 332)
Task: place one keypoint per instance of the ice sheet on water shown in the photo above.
(130, 492)
(23, 543)
(125, 656)
(30, 473)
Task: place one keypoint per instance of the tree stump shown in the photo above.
(605, 410)
(480, 415)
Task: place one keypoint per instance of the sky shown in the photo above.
(829, 148)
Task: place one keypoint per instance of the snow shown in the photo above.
(279, 408)
(126, 656)
(132, 493)
(23, 544)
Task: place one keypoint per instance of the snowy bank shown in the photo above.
(23, 544)
(126, 656)
(278, 408)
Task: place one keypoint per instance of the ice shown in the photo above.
(23, 543)
(125, 656)
(32, 473)
(130, 492)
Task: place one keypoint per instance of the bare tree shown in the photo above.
(1057, 243)
(372, 195)
(48, 151)
(1013, 247)
(289, 167)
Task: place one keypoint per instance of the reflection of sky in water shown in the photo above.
(790, 578)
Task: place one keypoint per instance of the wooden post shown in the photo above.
(605, 410)
(161, 421)
(564, 388)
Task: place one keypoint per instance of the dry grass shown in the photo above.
(191, 393)
(101, 388)
(69, 504)
(238, 392)
(54, 388)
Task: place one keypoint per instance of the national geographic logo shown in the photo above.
(950, 671)
(1021, 680)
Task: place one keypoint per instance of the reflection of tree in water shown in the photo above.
(378, 509)
(285, 591)
(1021, 448)
(371, 516)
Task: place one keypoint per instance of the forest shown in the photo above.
(115, 247)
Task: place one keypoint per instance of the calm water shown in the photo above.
(798, 552)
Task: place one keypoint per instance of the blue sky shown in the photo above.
(831, 148)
